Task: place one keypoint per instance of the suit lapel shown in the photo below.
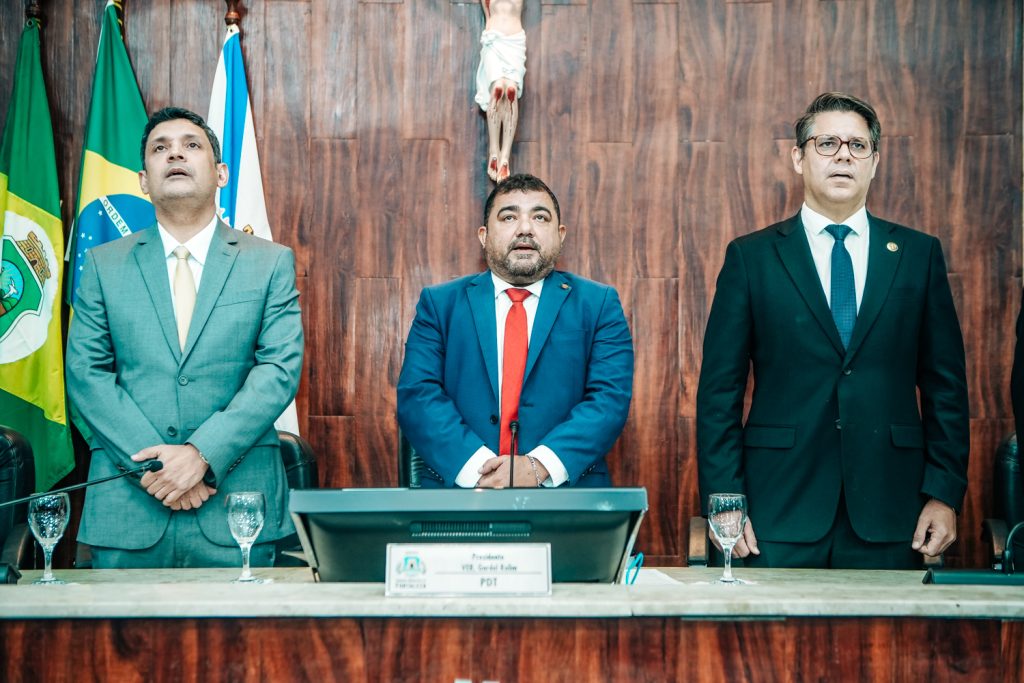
(152, 262)
(882, 263)
(796, 257)
(480, 293)
(219, 260)
(555, 291)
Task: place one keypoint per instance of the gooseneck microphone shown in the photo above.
(149, 466)
(513, 427)
(1009, 561)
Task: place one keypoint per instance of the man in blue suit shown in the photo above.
(520, 359)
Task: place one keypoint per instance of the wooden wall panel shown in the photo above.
(702, 99)
(334, 30)
(665, 130)
(333, 194)
(612, 77)
(655, 167)
(560, 93)
(466, 176)
(424, 115)
(284, 110)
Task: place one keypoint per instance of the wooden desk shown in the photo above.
(791, 625)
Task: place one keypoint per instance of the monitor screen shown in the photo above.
(345, 532)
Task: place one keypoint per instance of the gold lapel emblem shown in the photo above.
(892, 246)
(565, 286)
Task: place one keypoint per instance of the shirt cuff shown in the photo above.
(557, 474)
(469, 475)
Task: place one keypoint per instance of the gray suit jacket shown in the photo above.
(135, 388)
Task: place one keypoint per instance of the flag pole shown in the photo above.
(233, 17)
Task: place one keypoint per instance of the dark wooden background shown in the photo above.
(665, 130)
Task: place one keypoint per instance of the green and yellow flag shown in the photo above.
(32, 398)
(110, 203)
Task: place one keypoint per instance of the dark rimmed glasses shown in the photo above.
(829, 146)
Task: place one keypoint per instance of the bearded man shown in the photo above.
(521, 367)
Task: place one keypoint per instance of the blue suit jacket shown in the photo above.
(576, 390)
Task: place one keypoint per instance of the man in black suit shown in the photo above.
(854, 453)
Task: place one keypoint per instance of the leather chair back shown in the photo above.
(299, 462)
(409, 464)
(17, 478)
(300, 468)
(1008, 483)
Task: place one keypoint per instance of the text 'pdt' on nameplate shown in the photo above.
(464, 569)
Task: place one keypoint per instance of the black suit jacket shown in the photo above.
(823, 419)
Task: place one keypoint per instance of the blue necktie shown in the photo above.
(844, 295)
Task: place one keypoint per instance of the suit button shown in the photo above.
(839, 424)
(847, 372)
(183, 380)
(494, 419)
(171, 431)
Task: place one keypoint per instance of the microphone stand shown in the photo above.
(513, 427)
(151, 466)
(1006, 577)
(1008, 560)
(10, 574)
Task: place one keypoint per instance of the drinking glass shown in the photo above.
(245, 518)
(727, 515)
(48, 517)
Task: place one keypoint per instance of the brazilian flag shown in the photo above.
(110, 203)
(32, 398)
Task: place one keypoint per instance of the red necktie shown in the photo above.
(513, 365)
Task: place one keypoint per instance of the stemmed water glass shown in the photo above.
(48, 517)
(727, 515)
(245, 518)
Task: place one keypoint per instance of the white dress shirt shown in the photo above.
(469, 474)
(821, 248)
(198, 247)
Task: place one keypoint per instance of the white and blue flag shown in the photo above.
(240, 203)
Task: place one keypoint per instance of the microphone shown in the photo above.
(513, 427)
(148, 466)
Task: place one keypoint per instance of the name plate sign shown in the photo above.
(466, 569)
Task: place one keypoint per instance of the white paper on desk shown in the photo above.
(652, 577)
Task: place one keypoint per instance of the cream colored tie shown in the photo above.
(184, 294)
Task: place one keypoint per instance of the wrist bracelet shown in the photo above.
(201, 456)
(533, 464)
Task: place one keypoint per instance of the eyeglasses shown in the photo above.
(829, 146)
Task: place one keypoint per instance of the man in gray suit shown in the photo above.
(185, 346)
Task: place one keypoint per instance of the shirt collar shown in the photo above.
(198, 247)
(500, 286)
(815, 223)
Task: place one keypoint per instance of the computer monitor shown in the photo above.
(345, 532)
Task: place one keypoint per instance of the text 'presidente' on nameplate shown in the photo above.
(467, 569)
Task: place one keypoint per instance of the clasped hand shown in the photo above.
(179, 485)
(494, 473)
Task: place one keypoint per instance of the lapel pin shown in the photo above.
(565, 286)
(892, 246)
